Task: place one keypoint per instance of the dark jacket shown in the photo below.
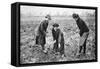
(40, 39)
(82, 26)
(43, 27)
(55, 34)
(58, 36)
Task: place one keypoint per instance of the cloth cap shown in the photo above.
(55, 25)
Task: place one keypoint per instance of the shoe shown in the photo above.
(84, 54)
(78, 56)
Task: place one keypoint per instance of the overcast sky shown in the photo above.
(41, 11)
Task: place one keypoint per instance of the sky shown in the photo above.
(42, 11)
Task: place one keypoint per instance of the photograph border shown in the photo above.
(18, 4)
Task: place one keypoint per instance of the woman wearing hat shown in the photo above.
(41, 32)
(58, 38)
(84, 32)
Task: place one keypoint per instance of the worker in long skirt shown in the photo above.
(42, 31)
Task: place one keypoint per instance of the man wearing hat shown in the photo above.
(84, 32)
(58, 38)
(41, 32)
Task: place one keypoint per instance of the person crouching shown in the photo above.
(59, 39)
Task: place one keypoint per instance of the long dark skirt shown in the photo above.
(40, 40)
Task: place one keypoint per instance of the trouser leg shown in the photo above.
(37, 39)
(55, 48)
(84, 46)
(42, 46)
(43, 42)
(83, 43)
(80, 49)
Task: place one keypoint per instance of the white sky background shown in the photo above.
(42, 11)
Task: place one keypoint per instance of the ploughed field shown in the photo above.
(31, 53)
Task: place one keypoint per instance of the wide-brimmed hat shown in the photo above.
(74, 15)
(47, 16)
(55, 25)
